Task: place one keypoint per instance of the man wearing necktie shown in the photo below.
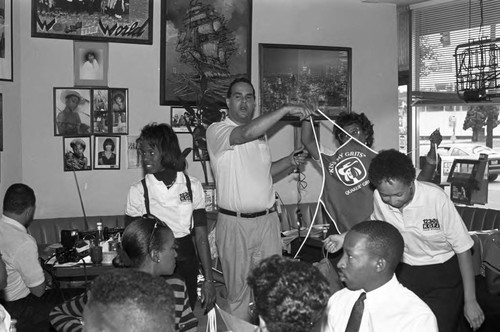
(373, 299)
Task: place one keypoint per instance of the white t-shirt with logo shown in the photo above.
(432, 229)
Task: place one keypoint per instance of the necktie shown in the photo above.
(356, 314)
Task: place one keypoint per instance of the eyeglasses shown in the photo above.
(351, 132)
(157, 224)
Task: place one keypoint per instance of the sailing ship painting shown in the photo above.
(205, 46)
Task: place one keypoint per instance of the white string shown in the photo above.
(211, 321)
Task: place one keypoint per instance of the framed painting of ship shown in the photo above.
(120, 21)
(296, 73)
(204, 45)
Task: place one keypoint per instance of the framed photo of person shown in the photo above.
(107, 152)
(180, 120)
(119, 111)
(90, 63)
(294, 73)
(134, 156)
(6, 63)
(72, 112)
(77, 153)
(101, 116)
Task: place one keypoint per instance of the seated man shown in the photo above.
(129, 300)
(289, 295)
(24, 296)
(373, 299)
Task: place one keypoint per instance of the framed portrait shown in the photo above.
(107, 152)
(77, 154)
(101, 115)
(119, 110)
(295, 73)
(90, 63)
(119, 21)
(1, 122)
(181, 120)
(219, 33)
(6, 40)
(110, 111)
(134, 156)
(72, 111)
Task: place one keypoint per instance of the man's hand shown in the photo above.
(299, 111)
(208, 295)
(436, 138)
(474, 314)
(298, 156)
(334, 243)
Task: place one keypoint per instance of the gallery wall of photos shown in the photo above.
(91, 122)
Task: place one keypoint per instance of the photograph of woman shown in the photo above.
(90, 63)
(108, 157)
(119, 108)
(90, 69)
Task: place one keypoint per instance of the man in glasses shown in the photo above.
(248, 228)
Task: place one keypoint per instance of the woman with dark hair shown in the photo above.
(90, 70)
(148, 245)
(176, 199)
(75, 160)
(108, 156)
(289, 295)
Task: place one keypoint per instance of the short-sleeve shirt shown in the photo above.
(20, 254)
(432, 229)
(171, 205)
(242, 172)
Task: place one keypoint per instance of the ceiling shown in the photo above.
(397, 2)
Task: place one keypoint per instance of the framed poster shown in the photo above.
(76, 154)
(107, 152)
(72, 111)
(119, 21)
(90, 63)
(204, 45)
(295, 73)
(6, 40)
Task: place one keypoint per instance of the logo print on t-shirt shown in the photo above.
(350, 171)
(430, 224)
(184, 197)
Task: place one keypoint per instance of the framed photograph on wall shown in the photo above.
(90, 63)
(200, 152)
(222, 31)
(6, 40)
(296, 73)
(72, 111)
(119, 110)
(119, 21)
(107, 152)
(101, 115)
(180, 120)
(77, 154)
(1, 122)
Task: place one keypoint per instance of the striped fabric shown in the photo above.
(68, 316)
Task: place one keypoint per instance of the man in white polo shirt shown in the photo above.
(247, 226)
(24, 297)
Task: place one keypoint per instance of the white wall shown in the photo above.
(32, 154)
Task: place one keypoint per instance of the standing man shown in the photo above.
(248, 227)
(24, 296)
(373, 294)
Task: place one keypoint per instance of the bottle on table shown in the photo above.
(100, 234)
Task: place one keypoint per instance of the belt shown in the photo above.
(247, 215)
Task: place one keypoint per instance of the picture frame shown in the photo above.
(228, 57)
(134, 156)
(6, 63)
(200, 152)
(72, 111)
(180, 119)
(107, 152)
(129, 21)
(1, 122)
(295, 73)
(110, 111)
(91, 63)
(77, 154)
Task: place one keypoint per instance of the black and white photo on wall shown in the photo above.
(181, 120)
(119, 110)
(110, 111)
(90, 63)
(107, 152)
(6, 63)
(72, 111)
(77, 154)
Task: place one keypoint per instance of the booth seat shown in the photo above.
(49, 230)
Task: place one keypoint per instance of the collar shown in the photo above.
(14, 223)
(383, 290)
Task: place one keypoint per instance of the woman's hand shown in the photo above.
(474, 314)
(208, 295)
(334, 243)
